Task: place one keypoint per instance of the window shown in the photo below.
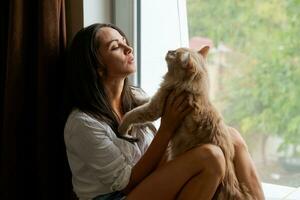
(163, 27)
(254, 65)
(255, 68)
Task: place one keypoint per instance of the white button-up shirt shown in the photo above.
(100, 161)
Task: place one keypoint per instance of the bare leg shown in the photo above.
(206, 181)
(194, 173)
(244, 167)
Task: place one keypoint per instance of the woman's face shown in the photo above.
(115, 54)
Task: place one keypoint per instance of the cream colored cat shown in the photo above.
(187, 72)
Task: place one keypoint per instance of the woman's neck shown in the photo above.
(114, 88)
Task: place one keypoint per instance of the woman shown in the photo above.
(106, 165)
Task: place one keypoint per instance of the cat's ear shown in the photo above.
(204, 51)
(187, 63)
(185, 57)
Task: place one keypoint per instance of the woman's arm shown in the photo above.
(176, 108)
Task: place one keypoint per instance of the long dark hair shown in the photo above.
(84, 87)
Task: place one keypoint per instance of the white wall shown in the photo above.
(120, 12)
(163, 27)
(97, 11)
(124, 16)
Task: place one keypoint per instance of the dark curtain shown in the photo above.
(33, 161)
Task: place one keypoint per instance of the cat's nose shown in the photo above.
(171, 52)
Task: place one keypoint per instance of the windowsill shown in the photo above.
(278, 192)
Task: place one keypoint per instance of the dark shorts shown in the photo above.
(111, 196)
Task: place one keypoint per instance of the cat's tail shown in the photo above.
(230, 188)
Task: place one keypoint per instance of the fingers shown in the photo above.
(178, 102)
(181, 100)
(186, 111)
(169, 100)
(183, 106)
(171, 97)
(176, 109)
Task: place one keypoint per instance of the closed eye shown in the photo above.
(114, 47)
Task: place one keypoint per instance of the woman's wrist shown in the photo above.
(165, 130)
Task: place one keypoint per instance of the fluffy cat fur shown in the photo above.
(187, 72)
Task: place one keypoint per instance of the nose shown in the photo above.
(171, 52)
(127, 49)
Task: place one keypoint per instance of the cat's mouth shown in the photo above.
(170, 55)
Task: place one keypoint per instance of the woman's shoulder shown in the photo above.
(78, 115)
(78, 119)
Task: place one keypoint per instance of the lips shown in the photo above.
(130, 60)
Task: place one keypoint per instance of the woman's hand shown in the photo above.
(175, 109)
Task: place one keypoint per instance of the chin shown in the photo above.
(130, 73)
(127, 73)
(131, 69)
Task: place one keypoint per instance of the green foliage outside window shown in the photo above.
(263, 95)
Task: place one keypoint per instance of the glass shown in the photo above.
(254, 67)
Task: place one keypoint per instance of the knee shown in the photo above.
(212, 159)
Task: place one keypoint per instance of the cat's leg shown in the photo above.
(146, 113)
(140, 96)
(142, 100)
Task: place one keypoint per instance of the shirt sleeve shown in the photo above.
(90, 141)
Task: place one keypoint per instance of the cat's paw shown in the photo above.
(123, 129)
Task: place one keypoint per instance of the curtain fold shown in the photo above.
(33, 161)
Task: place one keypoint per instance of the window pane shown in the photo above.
(254, 67)
(160, 32)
